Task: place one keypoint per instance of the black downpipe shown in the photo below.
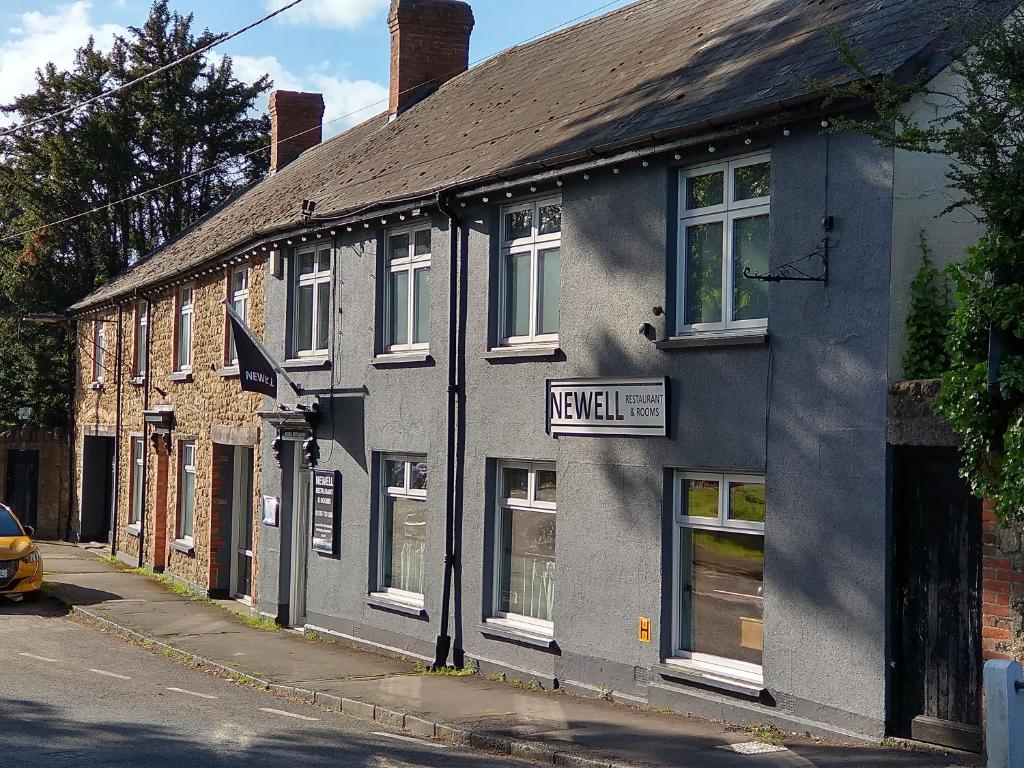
(455, 398)
(72, 330)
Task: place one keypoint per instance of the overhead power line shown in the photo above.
(159, 71)
(264, 148)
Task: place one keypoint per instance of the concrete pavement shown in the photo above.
(549, 726)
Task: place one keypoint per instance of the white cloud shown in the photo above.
(39, 38)
(346, 101)
(334, 14)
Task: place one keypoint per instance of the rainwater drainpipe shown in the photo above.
(116, 490)
(145, 431)
(453, 494)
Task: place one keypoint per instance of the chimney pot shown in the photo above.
(296, 124)
(429, 46)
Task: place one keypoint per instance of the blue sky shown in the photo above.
(337, 47)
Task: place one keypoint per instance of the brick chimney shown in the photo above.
(429, 46)
(291, 113)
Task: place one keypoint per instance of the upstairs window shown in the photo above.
(141, 337)
(238, 295)
(724, 229)
(99, 349)
(184, 330)
(530, 264)
(311, 319)
(407, 291)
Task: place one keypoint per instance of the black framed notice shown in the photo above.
(326, 511)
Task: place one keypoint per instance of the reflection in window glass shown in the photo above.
(324, 261)
(752, 181)
(519, 224)
(528, 564)
(421, 310)
(703, 280)
(550, 219)
(394, 474)
(705, 191)
(723, 596)
(323, 309)
(516, 483)
(546, 485)
(398, 308)
(398, 246)
(404, 542)
(422, 242)
(746, 502)
(547, 285)
(304, 314)
(517, 294)
(306, 263)
(418, 476)
(750, 250)
(700, 498)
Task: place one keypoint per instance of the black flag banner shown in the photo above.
(256, 372)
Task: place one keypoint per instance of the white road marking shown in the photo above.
(192, 693)
(288, 714)
(39, 658)
(411, 740)
(110, 674)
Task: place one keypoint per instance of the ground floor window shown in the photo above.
(524, 588)
(138, 473)
(403, 528)
(186, 489)
(719, 571)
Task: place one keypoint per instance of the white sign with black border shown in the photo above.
(634, 407)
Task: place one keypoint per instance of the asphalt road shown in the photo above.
(71, 695)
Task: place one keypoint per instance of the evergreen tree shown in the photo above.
(194, 116)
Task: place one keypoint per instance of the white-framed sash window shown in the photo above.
(239, 298)
(141, 336)
(529, 272)
(311, 301)
(184, 329)
(718, 573)
(407, 290)
(99, 351)
(524, 555)
(138, 473)
(402, 529)
(724, 226)
(186, 489)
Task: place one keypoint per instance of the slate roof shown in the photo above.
(653, 69)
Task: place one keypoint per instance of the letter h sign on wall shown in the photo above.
(614, 407)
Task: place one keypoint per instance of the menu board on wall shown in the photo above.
(326, 511)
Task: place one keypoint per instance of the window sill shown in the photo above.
(181, 377)
(133, 530)
(702, 339)
(497, 629)
(386, 602)
(183, 546)
(686, 671)
(306, 364)
(229, 372)
(400, 359)
(517, 352)
(96, 386)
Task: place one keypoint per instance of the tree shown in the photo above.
(983, 135)
(196, 115)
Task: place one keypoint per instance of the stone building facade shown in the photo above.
(164, 431)
(34, 479)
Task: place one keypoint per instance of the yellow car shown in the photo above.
(21, 565)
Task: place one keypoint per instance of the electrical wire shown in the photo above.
(234, 160)
(159, 71)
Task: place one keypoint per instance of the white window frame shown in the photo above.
(410, 263)
(727, 214)
(316, 278)
(236, 297)
(185, 448)
(532, 245)
(141, 337)
(415, 599)
(138, 473)
(99, 350)
(186, 313)
(505, 505)
(743, 671)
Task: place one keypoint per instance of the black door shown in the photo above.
(22, 490)
(937, 538)
(97, 488)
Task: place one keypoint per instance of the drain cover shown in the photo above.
(753, 748)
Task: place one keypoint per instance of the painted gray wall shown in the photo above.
(815, 400)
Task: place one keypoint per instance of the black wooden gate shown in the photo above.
(23, 484)
(937, 580)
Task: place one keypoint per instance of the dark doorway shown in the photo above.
(22, 492)
(937, 549)
(97, 489)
